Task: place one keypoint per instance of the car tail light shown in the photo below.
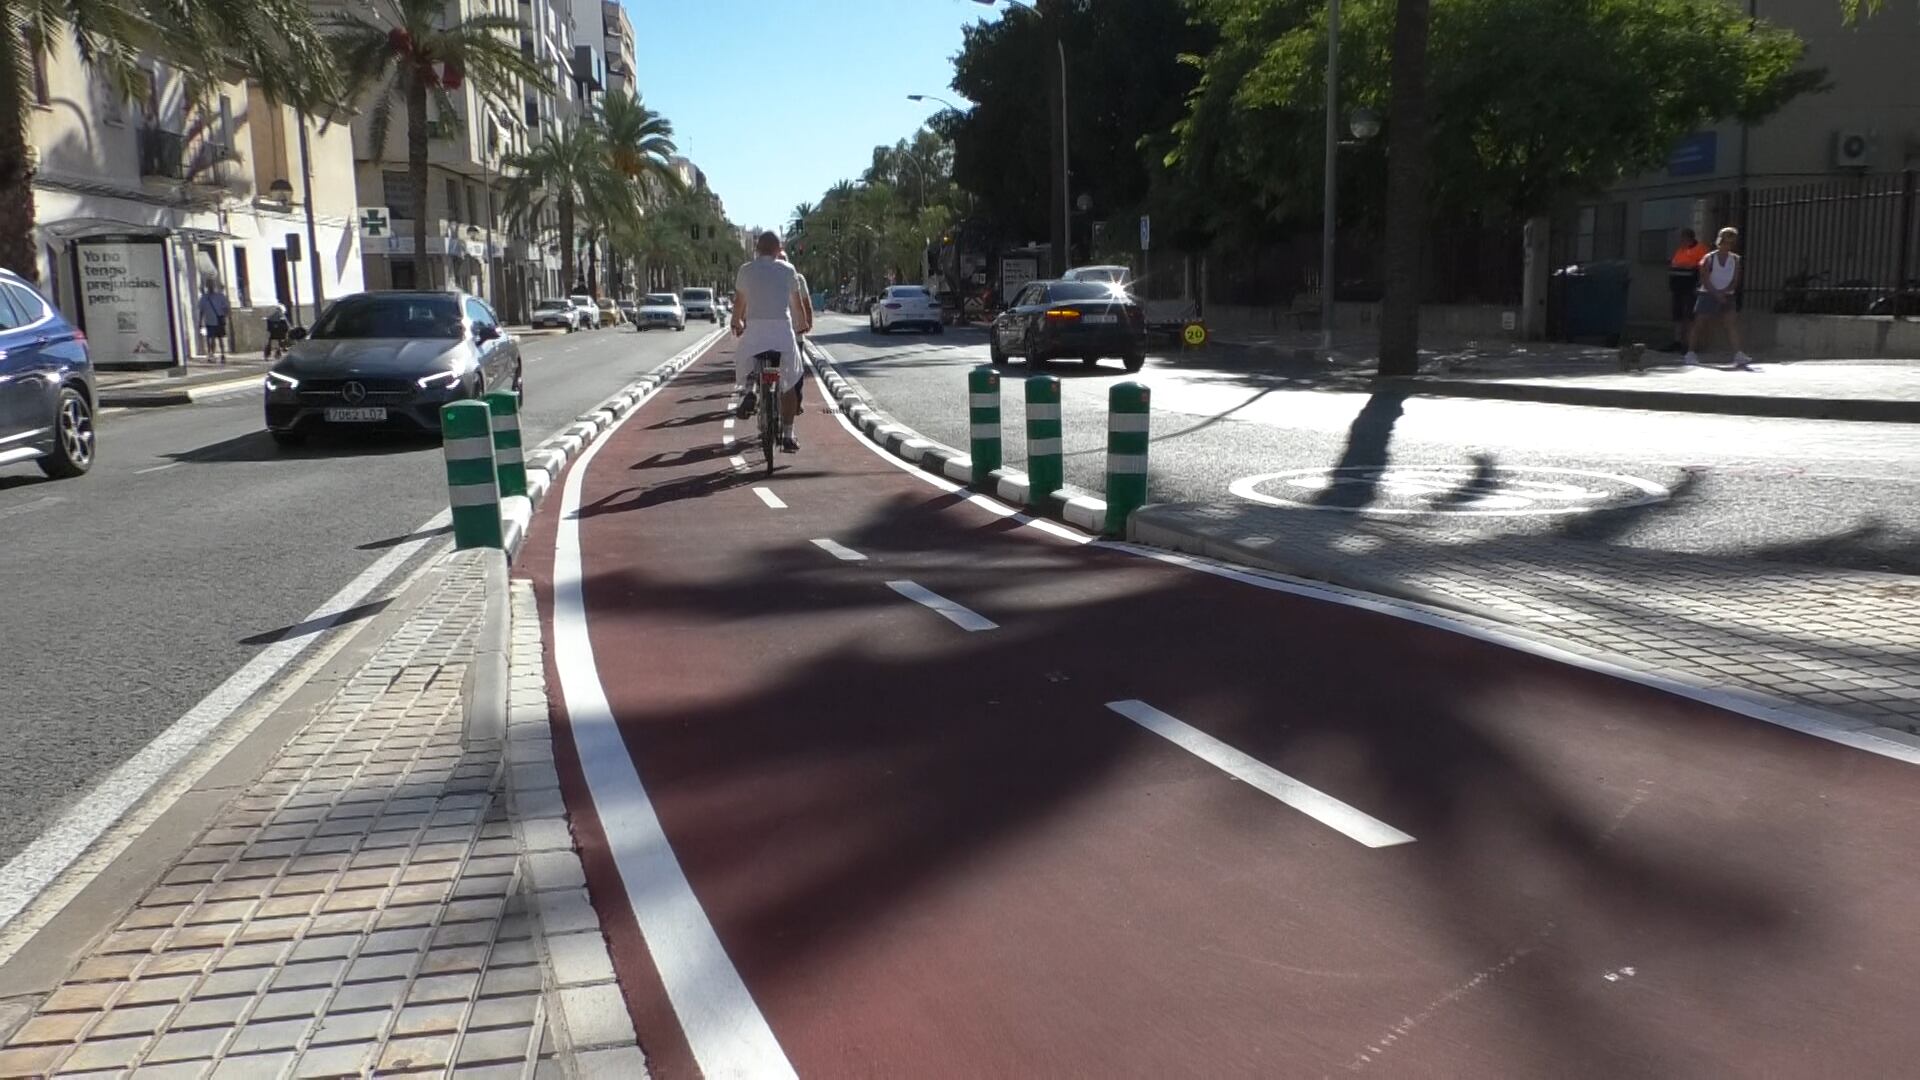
(1135, 316)
(891, 307)
(1062, 313)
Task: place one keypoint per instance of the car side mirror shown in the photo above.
(298, 333)
(485, 332)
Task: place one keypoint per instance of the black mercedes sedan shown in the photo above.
(388, 361)
(1049, 320)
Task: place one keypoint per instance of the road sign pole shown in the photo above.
(983, 414)
(509, 466)
(1044, 473)
(473, 487)
(1127, 419)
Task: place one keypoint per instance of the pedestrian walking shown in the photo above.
(213, 312)
(1683, 281)
(1717, 299)
(279, 327)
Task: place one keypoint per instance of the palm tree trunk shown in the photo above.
(417, 175)
(566, 241)
(16, 177)
(1406, 217)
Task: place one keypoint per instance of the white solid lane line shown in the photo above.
(840, 551)
(725, 1029)
(773, 501)
(737, 461)
(964, 618)
(156, 468)
(1310, 801)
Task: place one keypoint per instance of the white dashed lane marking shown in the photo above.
(840, 551)
(1310, 801)
(768, 497)
(961, 617)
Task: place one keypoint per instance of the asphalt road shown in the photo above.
(135, 590)
(1823, 492)
(870, 781)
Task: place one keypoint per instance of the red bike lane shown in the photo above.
(950, 795)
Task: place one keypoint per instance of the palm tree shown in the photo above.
(571, 171)
(639, 142)
(405, 52)
(267, 42)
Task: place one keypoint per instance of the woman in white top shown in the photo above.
(1719, 281)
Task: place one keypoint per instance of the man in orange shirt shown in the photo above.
(1683, 281)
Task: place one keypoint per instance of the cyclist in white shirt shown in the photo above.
(767, 310)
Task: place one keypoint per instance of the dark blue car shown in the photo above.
(46, 384)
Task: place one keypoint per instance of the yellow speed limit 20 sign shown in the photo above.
(1194, 334)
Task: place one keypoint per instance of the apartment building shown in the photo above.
(618, 44)
(141, 205)
(470, 242)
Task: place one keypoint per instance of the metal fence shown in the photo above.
(1849, 247)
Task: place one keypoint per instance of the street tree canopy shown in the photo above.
(1529, 101)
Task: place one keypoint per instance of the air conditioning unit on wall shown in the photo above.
(1853, 149)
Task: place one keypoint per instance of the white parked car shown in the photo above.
(905, 305)
(555, 313)
(660, 309)
(1112, 275)
(698, 304)
(589, 311)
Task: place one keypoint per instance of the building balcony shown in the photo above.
(172, 155)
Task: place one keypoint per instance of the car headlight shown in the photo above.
(440, 380)
(277, 381)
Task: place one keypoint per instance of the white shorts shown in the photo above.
(761, 336)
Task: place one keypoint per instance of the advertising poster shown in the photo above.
(1014, 275)
(123, 299)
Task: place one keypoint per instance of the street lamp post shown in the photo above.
(1062, 212)
(1330, 196)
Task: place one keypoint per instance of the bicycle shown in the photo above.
(768, 392)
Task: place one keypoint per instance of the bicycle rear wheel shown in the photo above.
(769, 425)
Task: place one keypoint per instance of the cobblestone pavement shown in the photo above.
(367, 905)
(1844, 642)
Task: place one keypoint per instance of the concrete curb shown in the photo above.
(548, 459)
(1880, 410)
(141, 397)
(1069, 505)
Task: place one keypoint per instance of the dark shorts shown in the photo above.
(216, 330)
(1706, 305)
(1683, 284)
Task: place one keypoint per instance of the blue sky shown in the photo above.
(840, 72)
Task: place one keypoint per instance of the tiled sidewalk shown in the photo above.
(1843, 642)
(365, 907)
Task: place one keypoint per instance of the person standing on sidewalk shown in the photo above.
(1717, 299)
(213, 311)
(1683, 281)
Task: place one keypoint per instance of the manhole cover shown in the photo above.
(1483, 491)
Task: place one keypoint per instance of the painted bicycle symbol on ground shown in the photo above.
(1468, 490)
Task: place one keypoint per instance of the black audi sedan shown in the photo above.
(388, 361)
(1049, 320)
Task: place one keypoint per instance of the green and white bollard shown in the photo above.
(1127, 414)
(466, 429)
(1044, 473)
(508, 463)
(983, 411)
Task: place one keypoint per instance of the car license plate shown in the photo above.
(355, 416)
(1103, 318)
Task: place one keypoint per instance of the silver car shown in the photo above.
(388, 361)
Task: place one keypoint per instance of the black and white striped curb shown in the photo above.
(550, 458)
(1072, 506)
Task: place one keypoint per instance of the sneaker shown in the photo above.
(1742, 361)
(789, 444)
(746, 407)
(1692, 358)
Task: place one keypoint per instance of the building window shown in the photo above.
(223, 124)
(473, 204)
(112, 109)
(453, 200)
(1602, 233)
(42, 94)
(396, 188)
(150, 108)
(402, 274)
